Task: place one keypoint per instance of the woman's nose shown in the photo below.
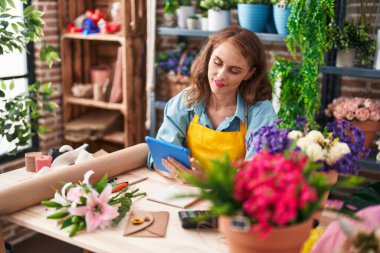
(221, 74)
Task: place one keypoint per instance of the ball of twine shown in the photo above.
(30, 161)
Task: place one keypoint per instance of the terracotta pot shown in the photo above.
(281, 240)
(332, 178)
(369, 128)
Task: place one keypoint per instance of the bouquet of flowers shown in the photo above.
(271, 190)
(354, 109)
(338, 148)
(89, 206)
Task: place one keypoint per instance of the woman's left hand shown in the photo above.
(176, 167)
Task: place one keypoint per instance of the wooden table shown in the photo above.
(112, 240)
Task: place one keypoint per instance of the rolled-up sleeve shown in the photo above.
(259, 115)
(175, 124)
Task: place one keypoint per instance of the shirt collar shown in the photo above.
(199, 108)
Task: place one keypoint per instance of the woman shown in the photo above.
(227, 101)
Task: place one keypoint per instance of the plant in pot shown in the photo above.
(295, 82)
(254, 14)
(173, 69)
(266, 204)
(170, 7)
(332, 149)
(192, 22)
(281, 12)
(219, 13)
(360, 112)
(185, 10)
(353, 41)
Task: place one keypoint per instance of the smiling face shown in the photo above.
(227, 68)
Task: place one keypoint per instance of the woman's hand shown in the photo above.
(176, 167)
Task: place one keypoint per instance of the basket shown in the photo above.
(171, 85)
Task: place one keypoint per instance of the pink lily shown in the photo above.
(97, 211)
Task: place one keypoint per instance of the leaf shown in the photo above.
(12, 85)
(58, 215)
(50, 203)
(11, 3)
(66, 223)
(2, 94)
(99, 186)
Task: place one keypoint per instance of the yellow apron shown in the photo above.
(206, 144)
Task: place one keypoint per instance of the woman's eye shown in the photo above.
(217, 62)
(233, 71)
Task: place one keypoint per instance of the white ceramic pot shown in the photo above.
(192, 23)
(182, 13)
(218, 19)
(204, 23)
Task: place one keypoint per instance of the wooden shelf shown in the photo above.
(96, 36)
(199, 33)
(358, 72)
(114, 137)
(93, 103)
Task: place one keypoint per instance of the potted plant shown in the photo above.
(281, 12)
(173, 69)
(219, 13)
(170, 7)
(254, 14)
(266, 204)
(192, 22)
(361, 112)
(295, 81)
(185, 10)
(353, 42)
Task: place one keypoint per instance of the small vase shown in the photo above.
(288, 239)
(369, 128)
(345, 58)
(170, 20)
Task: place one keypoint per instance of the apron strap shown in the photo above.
(246, 116)
(196, 118)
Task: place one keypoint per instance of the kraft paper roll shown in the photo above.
(32, 191)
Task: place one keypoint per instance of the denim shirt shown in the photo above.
(177, 118)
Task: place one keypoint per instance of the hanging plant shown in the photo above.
(308, 25)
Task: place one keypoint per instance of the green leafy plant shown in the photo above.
(20, 113)
(185, 2)
(354, 36)
(170, 6)
(308, 34)
(221, 4)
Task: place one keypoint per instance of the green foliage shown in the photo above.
(170, 6)
(19, 116)
(218, 187)
(354, 35)
(361, 199)
(308, 34)
(49, 54)
(221, 4)
(20, 113)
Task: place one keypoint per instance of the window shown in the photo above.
(18, 67)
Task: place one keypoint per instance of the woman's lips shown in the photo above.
(219, 84)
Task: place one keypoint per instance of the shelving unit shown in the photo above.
(80, 52)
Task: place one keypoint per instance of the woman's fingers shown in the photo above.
(179, 166)
(163, 173)
(195, 165)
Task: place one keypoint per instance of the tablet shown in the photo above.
(161, 149)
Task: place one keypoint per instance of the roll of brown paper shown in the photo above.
(33, 190)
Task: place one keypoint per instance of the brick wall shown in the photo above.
(13, 233)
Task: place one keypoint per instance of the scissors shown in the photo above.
(122, 185)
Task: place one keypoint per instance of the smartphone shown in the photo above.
(160, 149)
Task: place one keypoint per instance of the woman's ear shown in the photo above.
(250, 74)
